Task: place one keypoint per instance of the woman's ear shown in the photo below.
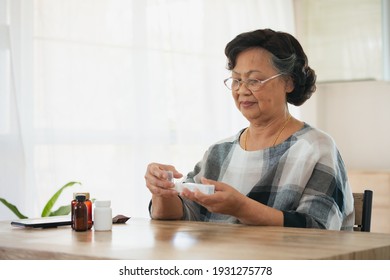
(289, 86)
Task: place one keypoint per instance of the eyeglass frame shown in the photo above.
(262, 82)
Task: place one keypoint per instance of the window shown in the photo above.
(118, 84)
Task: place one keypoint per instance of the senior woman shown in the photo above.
(279, 171)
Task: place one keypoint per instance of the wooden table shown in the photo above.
(144, 239)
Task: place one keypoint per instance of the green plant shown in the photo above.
(47, 210)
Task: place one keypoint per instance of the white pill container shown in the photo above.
(102, 215)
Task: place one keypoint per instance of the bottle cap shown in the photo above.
(84, 193)
(102, 203)
(80, 197)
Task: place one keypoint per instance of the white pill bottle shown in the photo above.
(102, 215)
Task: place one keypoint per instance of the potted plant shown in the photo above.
(47, 210)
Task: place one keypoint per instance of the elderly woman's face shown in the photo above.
(270, 100)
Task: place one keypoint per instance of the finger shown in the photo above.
(162, 192)
(206, 181)
(188, 194)
(156, 182)
(199, 196)
(196, 196)
(160, 171)
(177, 174)
(219, 186)
(155, 174)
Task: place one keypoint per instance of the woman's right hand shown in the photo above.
(156, 179)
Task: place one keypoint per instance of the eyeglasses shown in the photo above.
(251, 84)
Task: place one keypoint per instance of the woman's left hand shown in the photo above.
(226, 199)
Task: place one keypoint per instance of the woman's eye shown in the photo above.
(252, 82)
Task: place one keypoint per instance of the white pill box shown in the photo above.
(206, 189)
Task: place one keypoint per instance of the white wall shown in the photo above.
(357, 116)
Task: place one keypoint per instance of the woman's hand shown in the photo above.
(156, 179)
(166, 203)
(225, 200)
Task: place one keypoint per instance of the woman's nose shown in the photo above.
(242, 89)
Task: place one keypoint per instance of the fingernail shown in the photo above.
(169, 176)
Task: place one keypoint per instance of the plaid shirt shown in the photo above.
(304, 177)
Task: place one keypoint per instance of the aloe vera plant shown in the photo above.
(47, 210)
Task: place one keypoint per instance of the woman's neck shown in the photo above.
(261, 135)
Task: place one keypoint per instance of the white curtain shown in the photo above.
(107, 86)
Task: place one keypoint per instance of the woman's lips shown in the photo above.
(246, 104)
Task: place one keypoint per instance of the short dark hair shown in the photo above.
(287, 57)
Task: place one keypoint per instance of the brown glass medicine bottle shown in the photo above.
(89, 207)
(80, 214)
